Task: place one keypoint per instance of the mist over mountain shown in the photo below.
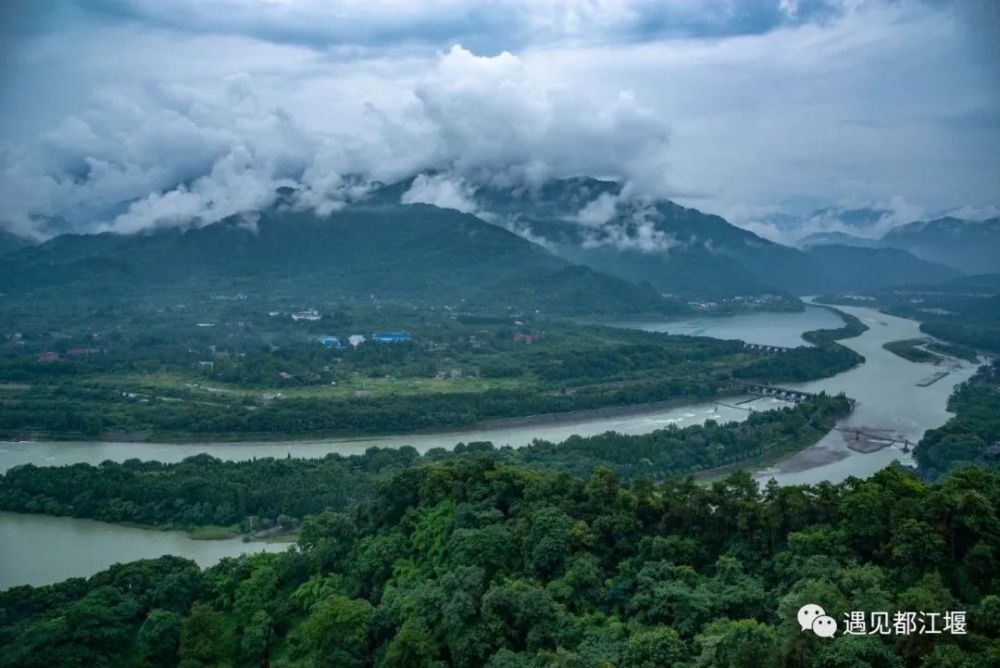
(573, 245)
(679, 250)
(974, 246)
(418, 252)
(836, 238)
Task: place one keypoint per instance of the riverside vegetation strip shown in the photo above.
(156, 374)
(202, 491)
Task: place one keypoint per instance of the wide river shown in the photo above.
(36, 549)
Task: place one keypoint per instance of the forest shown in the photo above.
(972, 437)
(204, 491)
(473, 562)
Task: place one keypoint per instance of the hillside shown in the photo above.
(10, 242)
(417, 252)
(683, 251)
(677, 249)
(969, 245)
(856, 268)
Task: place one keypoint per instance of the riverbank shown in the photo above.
(538, 420)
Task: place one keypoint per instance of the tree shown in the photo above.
(159, 637)
(412, 647)
(336, 632)
(206, 640)
(857, 652)
(726, 643)
(653, 648)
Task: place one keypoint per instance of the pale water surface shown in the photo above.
(39, 550)
(55, 453)
(774, 329)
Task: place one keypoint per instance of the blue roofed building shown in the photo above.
(330, 342)
(391, 337)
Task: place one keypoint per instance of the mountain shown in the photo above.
(686, 252)
(678, 250)
(836, 238)
(417, 252)
(863, 217)
(854, 268)
(10, 242)
(969, 245)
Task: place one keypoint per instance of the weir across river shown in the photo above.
(785, 394)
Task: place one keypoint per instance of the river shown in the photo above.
(36, 548)
(888, 398)
(774, 329)
(39, 549)
(56, 453)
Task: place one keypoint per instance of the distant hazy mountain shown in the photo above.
(859, 218)
(837, 238)
(415, 252)
(971, 246)
(854, 268)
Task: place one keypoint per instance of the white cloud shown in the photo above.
(442, 191)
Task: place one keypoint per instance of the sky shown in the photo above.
(127, 115)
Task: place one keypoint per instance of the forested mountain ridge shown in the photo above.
(10, 242)
(858, 268)
(677, 249)
(416, 252)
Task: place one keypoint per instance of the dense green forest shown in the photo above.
(202, 490)
(473, 562)
(972, 437)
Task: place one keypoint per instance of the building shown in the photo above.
(48, 357)
(308, 314)
(331, 342)
(355, 340)
(391, 337)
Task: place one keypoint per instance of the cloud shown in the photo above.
(598, 211)
(183, 155)
(634, 229)
(128, 114)
(489, 27)
(441, 191)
